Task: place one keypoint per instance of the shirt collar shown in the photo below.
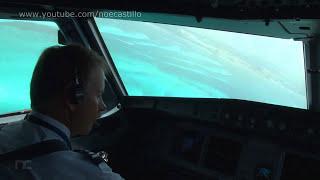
(52, 121)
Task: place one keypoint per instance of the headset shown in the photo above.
(77, 90)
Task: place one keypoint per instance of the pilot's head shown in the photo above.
(67, 84)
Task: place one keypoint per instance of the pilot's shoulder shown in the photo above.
(14, 135)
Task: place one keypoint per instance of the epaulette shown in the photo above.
(100, 158)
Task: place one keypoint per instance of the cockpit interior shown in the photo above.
(212, 90)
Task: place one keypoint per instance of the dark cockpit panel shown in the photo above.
(232, 140)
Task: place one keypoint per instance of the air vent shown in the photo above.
(305, 28)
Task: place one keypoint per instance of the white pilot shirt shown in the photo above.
(59, 165)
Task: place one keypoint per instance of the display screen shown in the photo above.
(222, 155)
(188, 146)
(300, 168)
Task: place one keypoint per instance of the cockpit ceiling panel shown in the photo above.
(238, 9)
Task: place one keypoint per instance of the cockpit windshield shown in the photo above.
(176, 61)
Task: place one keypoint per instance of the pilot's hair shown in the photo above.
(57, 67)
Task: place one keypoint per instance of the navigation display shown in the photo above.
(188, 146)
(222, 155)
(297, 167)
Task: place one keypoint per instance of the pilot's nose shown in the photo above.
(102, 105)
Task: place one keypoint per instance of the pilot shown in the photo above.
(66, 98)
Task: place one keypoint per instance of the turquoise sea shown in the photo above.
(166, 60)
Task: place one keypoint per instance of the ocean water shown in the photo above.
(21, 44)
(166, 60)
(174, 61)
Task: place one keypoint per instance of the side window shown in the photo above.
(21, 44)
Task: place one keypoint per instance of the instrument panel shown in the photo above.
(299, 167)
(239, 140)
(214, 156)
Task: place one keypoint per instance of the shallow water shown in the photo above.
(164, 60)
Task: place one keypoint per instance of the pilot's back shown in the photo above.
(58, 165)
